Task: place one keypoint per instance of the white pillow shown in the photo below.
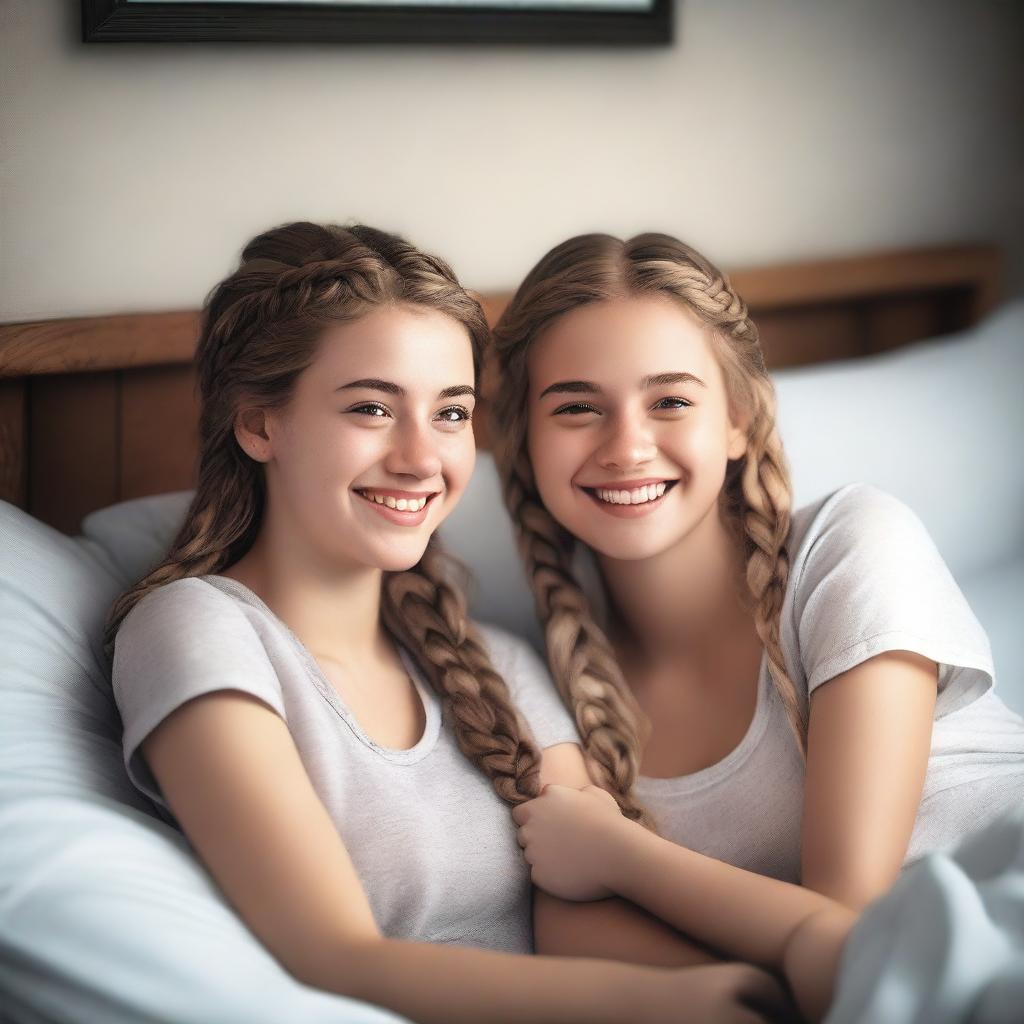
(937, 424)
(105, 916)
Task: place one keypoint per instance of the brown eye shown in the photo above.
(373, 409)
(453, 417)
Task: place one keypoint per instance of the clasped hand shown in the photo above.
(570, 838)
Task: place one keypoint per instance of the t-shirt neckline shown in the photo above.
(713, 773)
(429, 701)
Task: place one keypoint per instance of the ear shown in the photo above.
(738, 427)
(251, 433)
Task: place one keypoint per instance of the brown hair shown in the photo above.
(260, 330)
(755, 498)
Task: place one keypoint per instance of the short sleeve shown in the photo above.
(869, 579)
(532, 689)
(179, 642)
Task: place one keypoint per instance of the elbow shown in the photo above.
(853, 889)
(852, 894)
(810, 958)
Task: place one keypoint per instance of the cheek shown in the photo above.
(704, 442)
(459, 459)
(549, 455)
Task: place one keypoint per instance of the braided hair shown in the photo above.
(755, 498)
(260, 328)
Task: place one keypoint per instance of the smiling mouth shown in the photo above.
(648, 495)
(410, 503)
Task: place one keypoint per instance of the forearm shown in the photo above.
(611, 929)
(811, 958)
(446, 984)
(739, 913)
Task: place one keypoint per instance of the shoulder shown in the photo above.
(507, 650)
(184, 639)
(193, 592)
(860, 503)
(185, 622)
(190, 604)
(858, 516)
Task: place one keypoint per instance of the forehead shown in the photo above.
(621, 339)
(409, 345)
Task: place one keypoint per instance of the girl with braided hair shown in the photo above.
(802, 695)
(299, 684)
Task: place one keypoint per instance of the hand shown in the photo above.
(724, 993)
(570, 837)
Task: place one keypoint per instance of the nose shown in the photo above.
(413, 452)
(629, 444)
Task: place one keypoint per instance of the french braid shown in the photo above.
(756, 498)
(422, 607)
(259, 332)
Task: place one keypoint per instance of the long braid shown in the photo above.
(422, 607)
(766, 520)
(581, 659)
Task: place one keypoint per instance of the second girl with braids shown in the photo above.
(803, 695)
(299, 684)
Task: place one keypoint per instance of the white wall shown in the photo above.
(130, 175)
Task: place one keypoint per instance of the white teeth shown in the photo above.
(399, 504)
(638, 496)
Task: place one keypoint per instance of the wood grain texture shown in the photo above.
(97, 343)
(74, 464)
(977, 267)
(13, 441)
(159, 442)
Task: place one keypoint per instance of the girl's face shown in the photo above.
(629, 428)
(375, 447)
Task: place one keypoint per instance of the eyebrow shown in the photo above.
(389, 388)
(588, 387)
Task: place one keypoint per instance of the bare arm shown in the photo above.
(868, 745)
(612, 928)
(230, 772)
(580, 846)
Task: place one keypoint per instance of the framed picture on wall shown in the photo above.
(550, 22)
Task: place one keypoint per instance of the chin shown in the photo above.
(626, 549)
(395, 561)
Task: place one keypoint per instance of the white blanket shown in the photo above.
(946, 944)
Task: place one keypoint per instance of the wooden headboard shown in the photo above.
(101, 409)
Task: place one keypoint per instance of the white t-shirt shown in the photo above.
(433, 844)
(865, 578)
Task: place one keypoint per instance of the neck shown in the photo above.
(333, 609)
(683, 601)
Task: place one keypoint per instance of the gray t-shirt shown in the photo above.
(433, 844)
(865, 578)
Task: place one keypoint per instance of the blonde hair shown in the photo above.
(260, 330)
(755, 498)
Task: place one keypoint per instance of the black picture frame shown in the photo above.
(124, 21)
